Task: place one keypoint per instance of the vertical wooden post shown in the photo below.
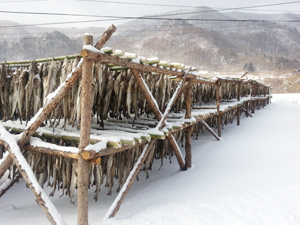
(85, 127)
(189, 130)
(219, 121)
(239, 108)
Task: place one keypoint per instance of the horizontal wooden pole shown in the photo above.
(58, 58)
(101, 57)
(51, 151)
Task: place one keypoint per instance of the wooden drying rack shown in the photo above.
(260, 96)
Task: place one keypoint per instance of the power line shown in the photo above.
(191, 6)
(150, 18)
(157, 32)
(145, 17)
(12, 1)
(148, 4)
(185, 6)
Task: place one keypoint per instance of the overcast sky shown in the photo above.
(98, 8)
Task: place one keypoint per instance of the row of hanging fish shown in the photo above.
(61, 173)
(115, 92)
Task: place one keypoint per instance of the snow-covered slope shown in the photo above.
(251, 177)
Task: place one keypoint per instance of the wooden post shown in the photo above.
(188, 147)
(219, 118)
(85, 127)
(157, 113)
(105, 36)
(253, 106)
(189, 130)
(239, 108)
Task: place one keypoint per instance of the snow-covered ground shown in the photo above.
(251, 177)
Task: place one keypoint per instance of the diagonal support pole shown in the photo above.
(171, 103)
(134, 172)
(210, 130)
(155, 109)
(10, 143)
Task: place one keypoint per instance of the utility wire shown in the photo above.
(191, 6)
(150, 4)
(144, 17)
(12, 1)
(151, 18)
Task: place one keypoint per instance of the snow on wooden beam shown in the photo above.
(10, 143)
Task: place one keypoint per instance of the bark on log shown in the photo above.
(238, 112)
(54, 217)
(51, 151)
(188, 147)
(85, 127)
(5, 165)
(188, 100)
(219, 122)
(219, 119)
(105, 36)
(239, 108)
(101, 57)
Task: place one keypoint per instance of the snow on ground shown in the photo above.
(251, 177)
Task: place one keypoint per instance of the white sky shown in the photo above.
(111, 9)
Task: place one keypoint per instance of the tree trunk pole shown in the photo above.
(239, 108)
(49, 209)
(210, 130)
(189, 130)
(218, 108)
(5, 165)
(85, 127)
